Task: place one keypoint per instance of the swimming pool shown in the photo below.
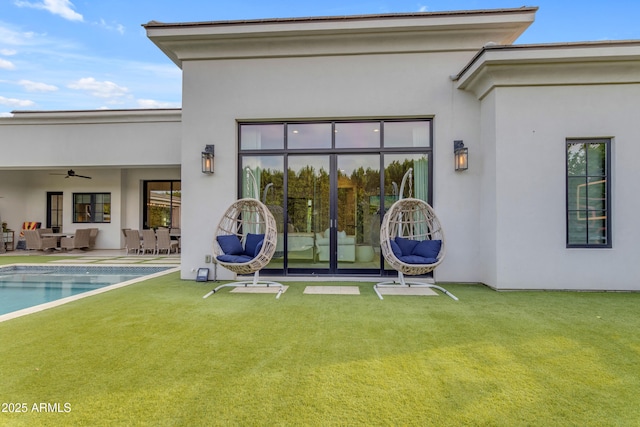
(28, 288)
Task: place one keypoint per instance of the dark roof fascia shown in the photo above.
(523, 9)
(546, 46)
(100, 112)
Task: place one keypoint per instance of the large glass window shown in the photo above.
(91, 207)
(328, 183)
(268, 172)
(588, 193)
(162, 200)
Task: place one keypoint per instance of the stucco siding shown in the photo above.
(533, 125)
(218, 94)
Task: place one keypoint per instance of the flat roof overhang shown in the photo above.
(347, 35)
(579, 63)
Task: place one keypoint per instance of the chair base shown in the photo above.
(249, 283)
(400, 282)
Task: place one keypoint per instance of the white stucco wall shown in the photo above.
(219, 93)
(531, 162)
(92, 138)
(484, 166)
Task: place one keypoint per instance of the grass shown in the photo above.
(156, 353)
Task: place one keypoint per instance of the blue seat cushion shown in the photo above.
(427, 248)
(230, 244)
(235, 259)
(416, 259)
(253, 244)
(395, 248)
(406, 245)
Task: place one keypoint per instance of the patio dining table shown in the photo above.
(58, 236)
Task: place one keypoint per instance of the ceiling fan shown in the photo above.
(72, 173)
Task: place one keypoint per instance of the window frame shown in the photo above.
(588, 180)
(106, 212)
(175, 185)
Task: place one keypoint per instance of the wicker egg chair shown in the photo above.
(413, 220)
(247, 218)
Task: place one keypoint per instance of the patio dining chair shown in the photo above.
(93, 236)
(79, 241)
(36, 242)
(149, 242)
(164, 242)
(132, 241)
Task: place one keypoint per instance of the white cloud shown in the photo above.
(105, 89)
(13, 102)
(6, 65)
(8, 52)
(423, 9)
(62, 8)
(152, 103)
(111, 27)
(11, 37)
(6, 114)
(30, 86)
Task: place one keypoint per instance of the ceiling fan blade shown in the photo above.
(82, 176)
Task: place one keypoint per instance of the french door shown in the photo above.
(332, 213)
(327, 183)
(54, 211)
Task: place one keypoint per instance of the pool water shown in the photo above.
(28, 286)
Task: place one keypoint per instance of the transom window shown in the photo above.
(369, 134)
(588, 193)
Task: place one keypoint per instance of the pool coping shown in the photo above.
(65, 300)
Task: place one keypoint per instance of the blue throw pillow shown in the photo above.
(230, 244)
(395, 249)
(258, 248)
(427, 248)
(406, 245)
(251, 243)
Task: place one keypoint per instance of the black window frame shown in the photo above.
(146, 199)
(571, 210)
(91, 208)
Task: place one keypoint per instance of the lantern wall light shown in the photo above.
(461, 156)
(207, 159)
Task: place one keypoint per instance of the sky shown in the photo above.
(94, 54)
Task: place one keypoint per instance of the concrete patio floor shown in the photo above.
(100, 256)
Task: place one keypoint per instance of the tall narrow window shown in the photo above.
(588, 193)
(54, 210)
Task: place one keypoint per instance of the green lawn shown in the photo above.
(156, 353)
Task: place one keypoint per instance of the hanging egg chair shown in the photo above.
(245, 240)
(411, 240)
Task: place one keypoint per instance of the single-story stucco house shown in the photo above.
(345, 105)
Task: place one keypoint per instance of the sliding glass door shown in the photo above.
(329, 183)
(332, 213)
(308, 231)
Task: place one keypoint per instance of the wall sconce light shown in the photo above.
(207, 159)
(461, 156)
